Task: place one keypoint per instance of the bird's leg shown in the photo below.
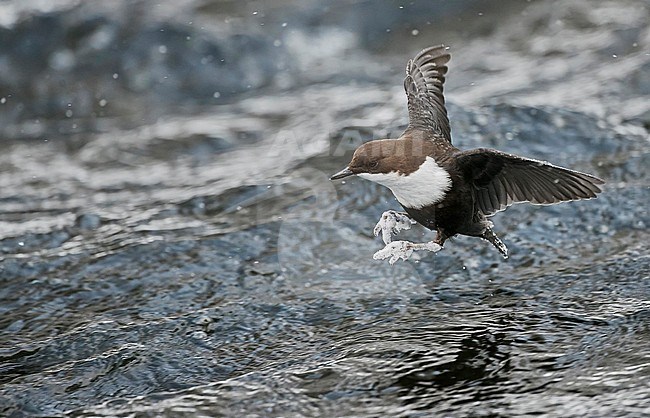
(491, 237)
(440, 238)
(404, 249)
(391, 222)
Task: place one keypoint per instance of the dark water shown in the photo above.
(170, 244)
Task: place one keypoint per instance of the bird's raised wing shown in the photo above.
(502, 179)
(425, 76)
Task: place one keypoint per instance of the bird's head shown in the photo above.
(405, 166)
(375, 160)
(369, 158)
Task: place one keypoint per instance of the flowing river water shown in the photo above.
(170, 244)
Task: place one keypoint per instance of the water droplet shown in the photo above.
(102, 102)
(3, 100)
(284, 24)
(277, 42)
(216, 95)
(115, 76)
(162, 49)
(415, 32)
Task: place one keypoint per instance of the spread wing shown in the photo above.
(502, 179)
(425, 76)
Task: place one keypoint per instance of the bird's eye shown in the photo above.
(374, 164)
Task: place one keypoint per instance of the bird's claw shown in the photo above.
(395, 250)
(390, 223)
(403, 249)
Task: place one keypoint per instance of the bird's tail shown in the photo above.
(490, 236)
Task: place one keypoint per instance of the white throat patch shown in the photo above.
(425, 186)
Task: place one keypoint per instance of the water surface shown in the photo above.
(170, 244)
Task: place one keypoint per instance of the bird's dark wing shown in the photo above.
(502, 179)
(425, 76)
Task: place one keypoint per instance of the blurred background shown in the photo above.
(170, 243)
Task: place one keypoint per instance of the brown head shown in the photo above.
(405, 166)
(384, 156)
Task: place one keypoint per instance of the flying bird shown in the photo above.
(443, 188)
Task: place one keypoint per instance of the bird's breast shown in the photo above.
(425, 186)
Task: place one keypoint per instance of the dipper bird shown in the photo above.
(446, 189)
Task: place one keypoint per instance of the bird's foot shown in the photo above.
(404, 249)
(491, 237)
(392, 222)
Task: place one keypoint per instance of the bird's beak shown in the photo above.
(342, 174)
